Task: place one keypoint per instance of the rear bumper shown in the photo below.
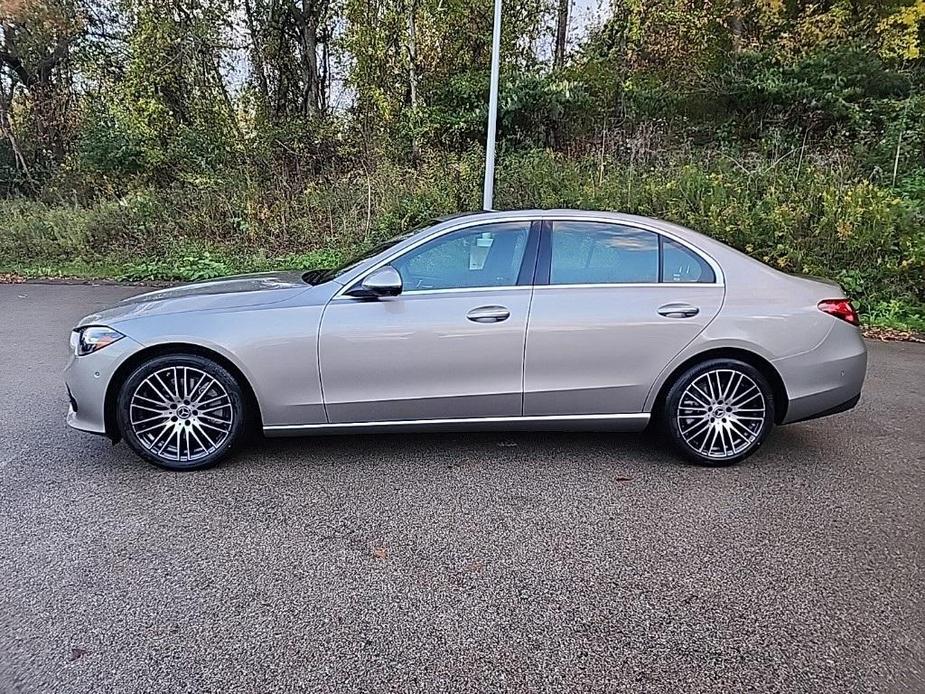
(844, 407)
(828, 379)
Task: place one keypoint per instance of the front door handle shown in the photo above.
(488, 314)
(678, 311)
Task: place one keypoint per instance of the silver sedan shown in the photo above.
(539, 319)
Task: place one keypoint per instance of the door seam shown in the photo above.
(538, 225)
(523, 359)
(324, 400)
(667, 368)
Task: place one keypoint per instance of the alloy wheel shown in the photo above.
(181, 413)
(721, 413)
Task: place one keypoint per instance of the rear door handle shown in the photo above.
(488, 314)
(678, 311)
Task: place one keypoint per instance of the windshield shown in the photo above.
(327, 274)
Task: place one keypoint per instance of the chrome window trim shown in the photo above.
(640, 417)
(616, 285)
(461, 290)
(613, 285)
(544, 217)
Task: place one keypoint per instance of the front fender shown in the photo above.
(274, 348)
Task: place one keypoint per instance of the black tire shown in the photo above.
(142, 414)
(735, 427)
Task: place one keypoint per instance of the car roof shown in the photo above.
(553, 213)
(545, 214)
(457, 215)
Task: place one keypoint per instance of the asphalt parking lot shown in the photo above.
(485, 562)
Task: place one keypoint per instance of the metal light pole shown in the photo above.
(489, 189)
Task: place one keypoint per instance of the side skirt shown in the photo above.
(580, 422)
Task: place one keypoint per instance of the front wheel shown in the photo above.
(181, 412)
(719, 412)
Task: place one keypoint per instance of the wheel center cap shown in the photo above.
(183, 412)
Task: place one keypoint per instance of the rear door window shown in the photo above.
(602, 253)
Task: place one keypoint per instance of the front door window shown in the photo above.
(487, 255)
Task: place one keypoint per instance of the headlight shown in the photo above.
(94, 338)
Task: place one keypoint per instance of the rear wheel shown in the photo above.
(719, 412)
(181, 412)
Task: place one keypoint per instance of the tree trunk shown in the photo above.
(737, 25)
(561, 33)
(324, 78)
(209, 55)
(413, 76)
(49, 86)
(6, 128)
(257, 49)
(308, 35)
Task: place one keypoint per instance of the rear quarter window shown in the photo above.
(680, 264)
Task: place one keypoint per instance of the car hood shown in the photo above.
(225, 293)
(257, 282)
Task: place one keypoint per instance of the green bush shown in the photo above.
(797, 216)
(841, 87)
(813, 220)
(32, 230)
(534, 110)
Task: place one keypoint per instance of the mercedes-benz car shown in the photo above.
(537, 319)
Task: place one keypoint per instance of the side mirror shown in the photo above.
(382, 282)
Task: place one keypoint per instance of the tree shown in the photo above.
(36, 38)
(289, 44)
(172, 97)
(406, 54)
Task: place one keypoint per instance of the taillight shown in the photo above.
(840, 308)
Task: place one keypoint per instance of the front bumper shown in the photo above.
(87, 379)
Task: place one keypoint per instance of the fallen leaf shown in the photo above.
(891, 335)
